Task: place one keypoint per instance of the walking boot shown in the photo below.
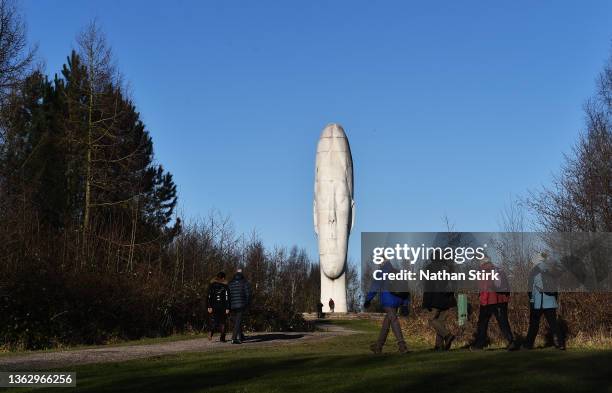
(448, 341)
(560, 344)
(513, 346)
(377, 349)
(401, 346)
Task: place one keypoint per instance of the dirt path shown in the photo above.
(65, 359)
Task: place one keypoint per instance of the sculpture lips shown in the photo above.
(333, 199)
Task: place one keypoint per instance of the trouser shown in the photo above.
(437, 321)
(218, 319)
(500, 311)
(534, 324)
(237, 317)
(391, 321)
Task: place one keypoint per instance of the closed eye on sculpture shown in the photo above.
(322, 200)
(342, 196)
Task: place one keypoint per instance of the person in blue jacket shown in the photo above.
(390, 302)
(543, 300)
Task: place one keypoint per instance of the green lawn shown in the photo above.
(345, 364)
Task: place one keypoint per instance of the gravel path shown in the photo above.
(54, 359)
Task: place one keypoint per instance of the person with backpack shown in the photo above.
(438, 299)
(240, 299)
(218, 305)
(494, 296)
(390, 302)
(544, 300)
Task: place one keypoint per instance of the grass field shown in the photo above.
(345, 364)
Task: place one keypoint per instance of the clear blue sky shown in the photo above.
(450, 107)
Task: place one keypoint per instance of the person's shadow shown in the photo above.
(272, 337)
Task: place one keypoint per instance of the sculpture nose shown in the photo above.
(331, 217)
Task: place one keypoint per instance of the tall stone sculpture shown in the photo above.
(334, 212)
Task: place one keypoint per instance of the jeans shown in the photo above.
(500, 311)
(390, 321)
(237, 317)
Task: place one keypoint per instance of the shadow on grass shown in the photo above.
(459, 371)
(272, 337)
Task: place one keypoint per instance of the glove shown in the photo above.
(404, 311)
(366, 304)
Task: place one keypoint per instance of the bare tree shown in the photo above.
(513, 217)
(15, 57)
(353, 287)
(112, 141)
(581, 196)
(97, 56)
(514, 246)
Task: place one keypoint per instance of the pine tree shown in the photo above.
(32, 159)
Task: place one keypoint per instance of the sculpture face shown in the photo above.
(333, 199)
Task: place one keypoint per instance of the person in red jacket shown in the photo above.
(494, 296)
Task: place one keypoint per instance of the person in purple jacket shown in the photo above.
(390, 302)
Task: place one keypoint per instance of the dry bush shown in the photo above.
(586, 317)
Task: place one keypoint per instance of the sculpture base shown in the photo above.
(333, 289)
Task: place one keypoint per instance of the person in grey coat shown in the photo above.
(240, 298)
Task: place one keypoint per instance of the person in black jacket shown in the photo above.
(240, 298)
(218, 303)
(319, 310)
(438, 299)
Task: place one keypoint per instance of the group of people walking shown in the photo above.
(228, 299)
(494, 296)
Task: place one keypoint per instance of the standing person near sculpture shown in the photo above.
(319, 310)
(494, 296)
(218, 304)
(240, 298)
(331, 305)
(390, 302)
(543, 300)
(438, 299)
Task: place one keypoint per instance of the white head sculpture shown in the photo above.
(333, 211)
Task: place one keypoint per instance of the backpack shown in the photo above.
(218, 295)
(550, 284)
(504, 286)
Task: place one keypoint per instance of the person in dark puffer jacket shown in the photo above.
(240, 298)
(218, 304)
(438, 299)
